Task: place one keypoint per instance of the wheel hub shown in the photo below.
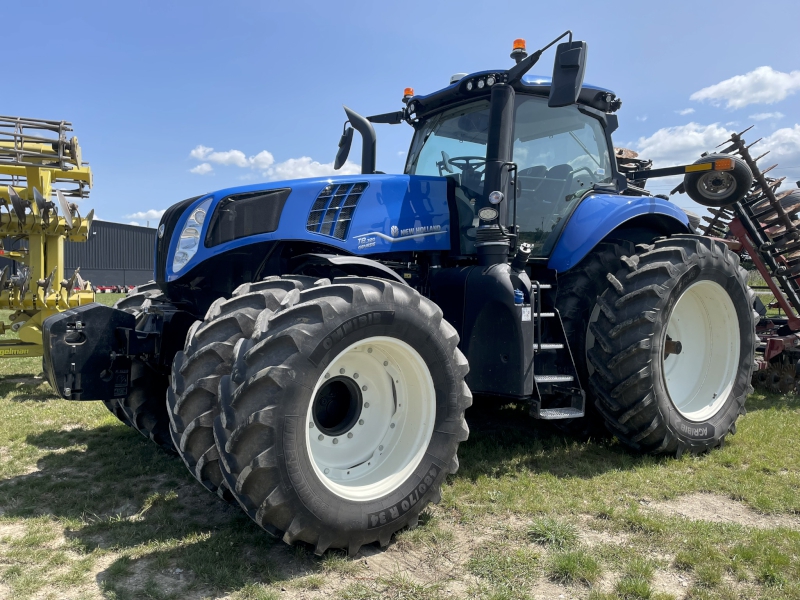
(337, 406)
(716, 184)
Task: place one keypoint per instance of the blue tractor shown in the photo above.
(317, 341)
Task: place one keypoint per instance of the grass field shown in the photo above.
(91, 509)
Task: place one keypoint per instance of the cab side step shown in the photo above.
(557, 392)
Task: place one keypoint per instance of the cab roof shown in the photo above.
(591, 95)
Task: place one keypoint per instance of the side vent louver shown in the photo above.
(333, 209)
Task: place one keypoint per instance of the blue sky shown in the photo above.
(153, 87)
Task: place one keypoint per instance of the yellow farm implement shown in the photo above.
(39, 164)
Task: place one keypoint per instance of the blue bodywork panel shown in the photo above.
(395, 213)
(597, 216)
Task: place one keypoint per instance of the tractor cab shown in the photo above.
(560, 154)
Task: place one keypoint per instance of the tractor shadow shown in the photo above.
(21, 386)
(505, 440)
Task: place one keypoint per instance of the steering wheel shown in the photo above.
(468, 163)
(587, 169)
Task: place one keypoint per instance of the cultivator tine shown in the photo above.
(753, 144)
(18, 204)
(66, 209)
(760, 157)
(3, 278)
(768, 169)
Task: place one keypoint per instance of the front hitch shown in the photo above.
(86, 352)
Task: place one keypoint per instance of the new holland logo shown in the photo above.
(401, 235)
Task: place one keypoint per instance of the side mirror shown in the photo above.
(718, 188)
(568, 70)
(344, 148)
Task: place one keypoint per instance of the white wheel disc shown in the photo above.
(371, 418)
(700, 378)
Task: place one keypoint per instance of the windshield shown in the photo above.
(560, 154)
(453, 144)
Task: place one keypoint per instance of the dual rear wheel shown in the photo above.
(332, 413)
(669, 346)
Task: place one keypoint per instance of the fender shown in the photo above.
(600, 214)
(363, 266)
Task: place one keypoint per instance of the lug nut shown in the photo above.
(311, 426)
(327, 471)
(327, 375)
(361, 421)
(369, 350)
(320, 437)
(366, 404)
(386, 363)
(341, 371)
(363, 387)
(355, 375)
(349, 435)
(380, 447)
(335, 440)
(392, 425)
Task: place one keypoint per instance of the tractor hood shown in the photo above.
(357, 214)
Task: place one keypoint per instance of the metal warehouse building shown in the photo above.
(114, 254)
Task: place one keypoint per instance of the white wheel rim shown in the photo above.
(700, 378)
(369, 456)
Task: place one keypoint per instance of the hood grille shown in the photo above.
(333, 209)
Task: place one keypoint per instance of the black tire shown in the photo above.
(578, 290)
(192, 399)
(628, 332)
(700, 186)
(261, 430)
(143, 408)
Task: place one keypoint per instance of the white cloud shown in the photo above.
(200, 152)
(236, 158)
(765, 116)
(264, 163)
(643, 118)
(685, 111)
(147, 215)
(763, 85)
(133, 222)
(298, 168)
(683, 144)
(202, 169)
(784, 143)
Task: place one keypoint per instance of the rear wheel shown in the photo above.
(192, 399)
(671, 346)
(343, 414)
(143, 408)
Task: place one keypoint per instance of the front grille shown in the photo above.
(333, 209)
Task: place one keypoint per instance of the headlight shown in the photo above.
(189, 240)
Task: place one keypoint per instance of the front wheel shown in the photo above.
(671, 346)
(343, 414)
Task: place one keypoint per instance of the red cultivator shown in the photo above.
(764, 229)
